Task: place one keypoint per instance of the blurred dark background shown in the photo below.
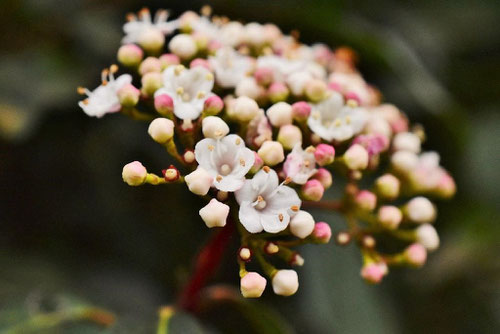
(72, 233)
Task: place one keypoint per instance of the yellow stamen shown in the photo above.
(266, 169)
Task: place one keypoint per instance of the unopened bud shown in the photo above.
(214, 127)
(200, 62)
(171, 174)
(415, 255)
(183, 45)
(356, 157)
(264, 76)
(151, 82)
(168, 59)
(128, 95)
(324, 176)
(199, 181)
(285, 282)
(248, 87)
(373, 272)
(150, 64)
(245, 109)
(427, 236)
(302, 224)
(271, 153)
(366, 200)
(389, 217)
(161, 130)
(152, 40)
(189, 156)
(164, 104)
(278, 92)
(289, 135)
(404, 161)
(387, 186)
(315, 90)
(297, 260)
(271, 248)
(213, 105)
(215, 213)
(301, 111)
(134, 173)
(406, 141)
(252, 285)
(130, 55)
(420, 210)
(280, 114)
(343, 238)
(313, 190)
(324, 154)
(322, 232)
(245, 254)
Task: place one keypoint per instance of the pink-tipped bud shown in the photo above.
(277, 92)
(315, 90)
(373, 272)
(151, 82)
(200, 62)
(263, 76)
(297, 260)
(415, 255)
(285, 282)
(322, 232)
(171, 174)
(130, 55)
(258, 163)
(164, 104)
(134, 173)
(161, 130)
(252, 285)
(313, 190)
(302, 224)
(356, 157)
(150, 64)
(289, 136)
(199, 181)
(387, 186)
(245, 254)
(301, 111)
(271, 248)
(366, 200)
(271, 152)
(128, 95)
(324, 154)
(168, 59)
(324, 176)
(215, 213)
(389, 217)
(188, 156)
(213, 105)
(335, 86)
(446, 187)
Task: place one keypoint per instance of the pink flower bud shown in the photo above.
(258, 163)
(301, 111)
(352, 96)
(446, 187)
(415, 255)
(389, 217)
(324, 176)
(151, 82)
(322, 232)
(324, 154)
(356, 157)
(200, 62)
(150, 64)
(161, 130)
(335, 86)
(289, 135)
(168, 59)
(213, 105)
(387, 186)
(280, 114)
(277, 92)
(214, 214)
(171, 174)
(315, 90)
(252, 285)
(128, 95)
(373, 272)
(130, 55)
(263, 76)
(285, 282)
(271, 152)
(366, 200)
(373, 143)
(199, 181)
(183, 45)
(164, 104)
(134, 173)
(302, 224)
(313, 190)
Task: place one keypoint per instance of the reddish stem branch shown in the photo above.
(329, 205)
(207, 262)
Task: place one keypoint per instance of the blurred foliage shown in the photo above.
(73, 235)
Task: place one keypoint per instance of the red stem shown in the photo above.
(207, 262)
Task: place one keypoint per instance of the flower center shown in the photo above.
(225, 169)
(260, 203)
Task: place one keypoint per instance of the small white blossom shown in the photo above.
(137, 28)
(230, 67)
(300, 165)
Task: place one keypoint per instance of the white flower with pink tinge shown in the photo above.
(230, 67)
(300, 165)
(104, 99)
(137, 27)
(188, 88)
(265, 204)
(331, 119)
(259, 130)
(227, 160)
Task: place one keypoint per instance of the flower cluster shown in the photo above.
(260, 125)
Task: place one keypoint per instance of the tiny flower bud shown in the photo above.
(415, 255)
(302, 224)
(258, 163)
(356, 157)
(151, 82)
(214, 127)
(152, 40)
(271, 248)
(130, 55)
(249, 87)
(199, 181)
(264, 76)
(215, 213)
(324, 154)
(389, 217)
(366, 200)
(427, 236)
(150, 64)
(404, 161)
(378, 125)
(368, 241)
(252, 285)
(171, 174)
(213, 105)
(406, 141)
(387, 186)
(297, 260)
(313, 190)
(245, 254)
(315, 90)
(289, 135)
(324, 177)
(285, 282)
(446, 187)
(278, 92)
(200, 62)
(128, 95)
(420, 210)
(189, 156)
(373, 272)
(322, 232)
(183, 45)
(134, 173)
(301, 111)
(271, 153)
(245, 109)
(168, 59)
(161, 130)
(343, 238)
(280, 114)
(164, 104)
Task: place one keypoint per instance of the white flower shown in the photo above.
(104, 99)
(300, 165)
(282, 67)
(188, 89)
(351, 83)
(265, 204)
(136, 29)
(332, 120)
(259, 130)
(230, 67)
(227, 160)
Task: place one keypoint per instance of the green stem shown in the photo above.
(166, 314)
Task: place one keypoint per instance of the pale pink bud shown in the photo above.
(302, 224)
(214, 127)
(387, 186)
(258, 163)
(252, 285)
(168, 59)
(366, 200)
(214, 214)
(415, 255)
(130, 55)
(313, 190)
(420, 210)
(289, 135)
(404, 161)
(322, 232)
(213, 105)
(315, 90)
(335, 86)
(301, 110)
(324, 176)
(249, 87)
(324, 154)
(199, 181)
(128, 95)
(389, 217)
(151, 82)
(280, 114)
(271, 152)
(356, 157)
(244, 109)
(373, 272)
(277, 92)
(446, 187)
(264, 76)
(427, 236)
(152, 40)
(189, 156)
(200, 62)
(285, 282)
(134, 173)
(373, 143)
(164, 104)
(406, 141)
(183, 45)
(161, 130)
(150, 64)
(245, 254)
(377, 125)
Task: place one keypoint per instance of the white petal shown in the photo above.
(250, 218)
(272, 223)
